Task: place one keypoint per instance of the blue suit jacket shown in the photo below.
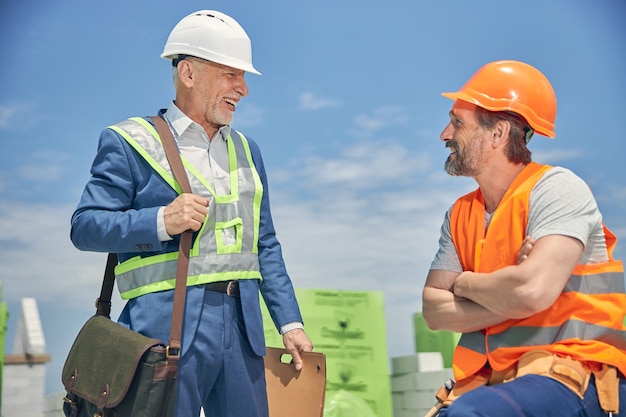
(118, 213)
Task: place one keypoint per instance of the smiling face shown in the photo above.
(466, 140)
(214, 90)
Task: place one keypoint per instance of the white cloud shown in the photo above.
(363, 165)
(37, 258)
(44, 166)
(366, 125)
(310, 101)
(17, 115)
(6, 114)
(556, 155)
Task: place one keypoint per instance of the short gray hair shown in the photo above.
(175, 75)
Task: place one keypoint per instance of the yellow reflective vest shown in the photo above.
(226, 246)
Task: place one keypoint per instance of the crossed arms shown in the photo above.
(472, 301)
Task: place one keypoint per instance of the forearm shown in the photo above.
(443, 310)
(120, 232)
(502, 292)
(519, 291)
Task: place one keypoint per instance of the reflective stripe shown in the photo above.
(474, 341)
(226, 246)
(140, 272)
(602, 283)
(129, 131)
(571, 329)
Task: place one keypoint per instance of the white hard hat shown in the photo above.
(211, 35)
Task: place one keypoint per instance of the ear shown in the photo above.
(500, 133)
(186, 72)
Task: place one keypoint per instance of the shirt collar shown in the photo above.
(181, 122)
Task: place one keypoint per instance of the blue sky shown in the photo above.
(347, 112)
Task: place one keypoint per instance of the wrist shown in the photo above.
(462, 284)
(291, 326)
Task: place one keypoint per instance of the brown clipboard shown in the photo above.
(295, 393)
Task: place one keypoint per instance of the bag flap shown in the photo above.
(102, 361)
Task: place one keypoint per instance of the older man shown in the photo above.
(130, 206)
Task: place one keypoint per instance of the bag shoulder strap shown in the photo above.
(184, 247)
(103, 303)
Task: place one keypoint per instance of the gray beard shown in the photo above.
(458, 167)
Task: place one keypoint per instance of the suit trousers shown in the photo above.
(217, 369)
(530, 396)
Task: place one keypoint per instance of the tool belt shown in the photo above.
(573, 374)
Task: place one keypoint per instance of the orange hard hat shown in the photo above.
(512, 86)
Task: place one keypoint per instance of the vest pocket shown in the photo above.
(229, 236)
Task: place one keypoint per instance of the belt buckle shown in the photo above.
(230, 288)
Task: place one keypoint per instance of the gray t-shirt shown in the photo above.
(561, 203)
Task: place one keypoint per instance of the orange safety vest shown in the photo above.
(585, 322)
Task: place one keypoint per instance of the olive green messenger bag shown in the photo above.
(113, 371)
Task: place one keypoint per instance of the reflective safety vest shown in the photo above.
(226, 246)
(585, 321)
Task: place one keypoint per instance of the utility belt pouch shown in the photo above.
(566, 370)
(607, 387)
(572, 373)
